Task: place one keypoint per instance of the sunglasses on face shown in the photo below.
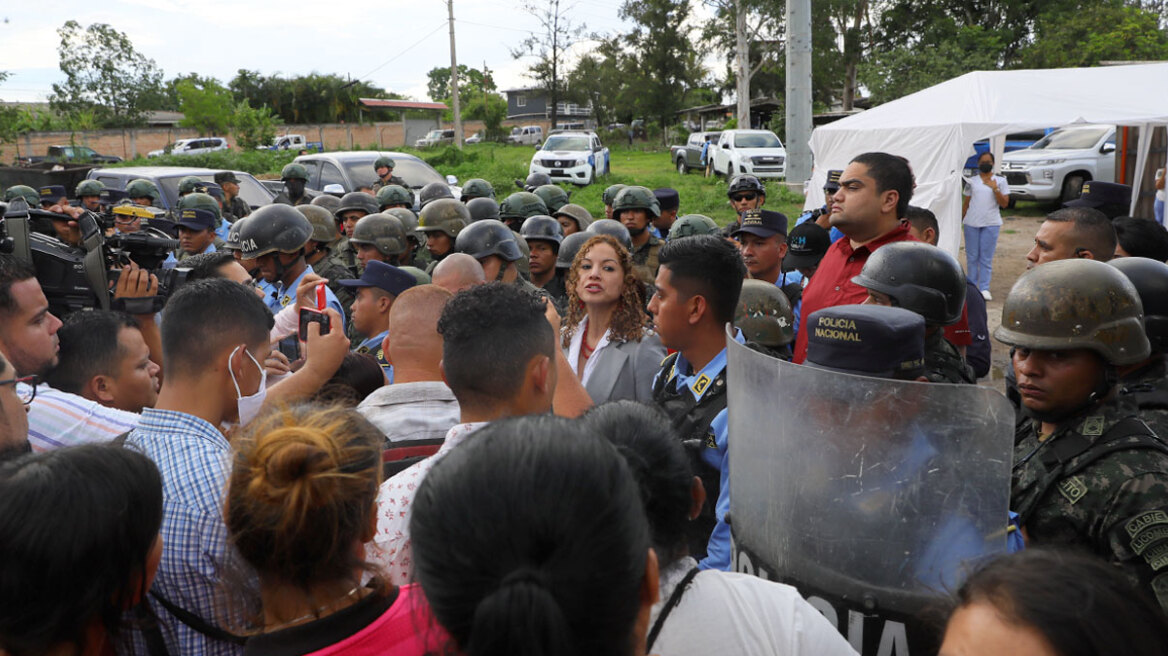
(738, 198)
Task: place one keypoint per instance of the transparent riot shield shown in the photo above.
(873, 497)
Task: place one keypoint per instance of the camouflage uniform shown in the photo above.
(283, 199)
(1147, 387)
(393, 180)
(236, 209)
(645, 260)
(1100, 483)
(331, 269)
(943, 362)
(342, 253)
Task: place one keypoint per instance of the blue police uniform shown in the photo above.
(282, 297)
(372, 346)
(223, 230)
(835, 233)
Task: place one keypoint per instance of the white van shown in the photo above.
(526, 135)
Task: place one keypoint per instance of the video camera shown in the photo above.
(76, 278)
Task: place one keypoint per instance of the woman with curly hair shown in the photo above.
(606, 335)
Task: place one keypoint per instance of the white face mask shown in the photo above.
(249, 406)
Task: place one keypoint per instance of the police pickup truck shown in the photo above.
(576, 157)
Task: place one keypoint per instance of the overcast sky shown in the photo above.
(391, 44)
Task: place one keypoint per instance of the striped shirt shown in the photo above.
(57, 419)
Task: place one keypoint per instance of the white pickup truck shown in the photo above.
(295, 142)
(757, 152)
(1056, 166)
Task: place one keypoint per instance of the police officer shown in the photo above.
(693, 224)
(354, 205)
(205, 198)
(668, 202)
(745, 192)
(573, 218)
(391, 196)
(196, 233)
(821, 216)
(142, 192)
(1088, 474)
(762, 240)
(928, 281)
(636, 207)
(881, 342)
(477, 188)
(608, 197)
(295, 177)
(764, 316)
(383, 167)
(318, 254)
(376, 290)
(440, 223)
(1111, 198)
(1146, 382)
(234, 207)
(544, 235)
(516, 208)
(380, 237)
(88, 192)
(553, 196)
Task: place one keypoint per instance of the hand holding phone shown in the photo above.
(309, 315)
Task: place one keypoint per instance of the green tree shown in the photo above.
(106, 75)
(890, 74)
(471, 81)
(253, 126)
(665, 57)
(549, 46)
(490, 108)
(1109, 31)
(206, 106)
(312, 98)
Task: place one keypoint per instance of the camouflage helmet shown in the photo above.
(381, 231)
(577, 213)
(477, 188)
(387, 162)
(917, 277)
(23, 191)
(553, 196)
(614, 229)
(232, 241)
(1073, 304)
(764, 314)
(199, 201)
(521, 205)
(636, 198)
(89, 188)
(542, 228)
(189, 183)
(444, 215)
(273, 228)
(570, 246)
(324, 229)
(1150, 278)
(482, 239)
(422, 277)
(432, 192)
(693, 224)
(744, 182)
(141, 188)
(357, 201)
(327, 201)
(408, 219)
(610, 193)
(482, 208)
(294, 171)
(535, 180)
(394, 195)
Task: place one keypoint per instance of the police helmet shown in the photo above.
(744, 182)
(477, 188)
(1150, 279)
(488, 237)
(553, 196)
(232, 241)
(521, 205)
(542, 228)
(394, 195)
(432, 192)
(23, 191)
(570, 246)
(764, 314)
(482, 208)
(444, 215)
(918, 277)
(189, 183)
(613, 229)
(635, 198)
(141, 188)
(535, 180)
(324, 229)
(89, 188)
(273, 228)
(357, 201)
(1072, 304)
(294, 172)
(693, 224)
(382, 231)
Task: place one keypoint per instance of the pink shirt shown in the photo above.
(405, 629)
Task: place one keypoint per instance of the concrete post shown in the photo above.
(798, 101)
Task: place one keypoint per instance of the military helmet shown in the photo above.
(23, 191)
(327, 201)
(357, 201)
(693, 224)
(918, 277)
(477, 188)
(570, 247)
(189, 183)
(294, 172)
(1076, 303)
(553, 196)
(521, 205)
(197, 200)
(140, 188)
(635, 198)
(1150, 279)
(543, 228)
(764, 314)
(387, 162)
(382, 231)
(482, 208)
(408, 219)
(89, 188)
(324, 229)
(488, 237)
(232, 241)
(613, 229)
(610, 193)
(272, 228)
(744, 182)
(444, 215)
(432, 192)
(577, 213)
(394, 195)
(535, 180)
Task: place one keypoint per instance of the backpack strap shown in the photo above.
(197, 623)
(674, 599)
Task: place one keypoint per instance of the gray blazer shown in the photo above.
(626, 370)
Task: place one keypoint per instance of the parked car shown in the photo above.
(295, 142)
(475, 138)
(166, 178)
(689, 157)
(1056, 166)
(435, 138)
(527, 135)
(69, 154)
(576, 157)
(351, 170)
(1017, 141)
(757, 152)
(192, 147)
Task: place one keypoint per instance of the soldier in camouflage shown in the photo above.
(383, 167)
(1088, 473)
(234, 207)
(354, 205)
(636, 207)
(295, 177)
(318, 255)
(1146, 382)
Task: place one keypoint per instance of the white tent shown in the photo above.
(935, 128)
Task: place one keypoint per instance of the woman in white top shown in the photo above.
(984, 196)
(606, 337)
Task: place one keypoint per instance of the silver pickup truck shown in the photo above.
(689, 157)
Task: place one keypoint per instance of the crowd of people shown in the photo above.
(404, 422)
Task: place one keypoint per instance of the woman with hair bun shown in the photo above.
(530, 540)
(300, 507)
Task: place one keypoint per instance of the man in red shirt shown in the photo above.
(874, 193)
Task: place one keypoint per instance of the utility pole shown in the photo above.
(454, 78)
(798, 101)
(742, 49)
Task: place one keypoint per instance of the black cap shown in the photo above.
(226, 176)
(667, 198)
(385, 277)
(833, 177)
(762, 223)
(1096, 194)
(213, 190)
(867, 340)
(806, 246)
(195, 219)
(52, 193)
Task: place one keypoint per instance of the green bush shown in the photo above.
(255, 162)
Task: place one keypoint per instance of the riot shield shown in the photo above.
(873, 497)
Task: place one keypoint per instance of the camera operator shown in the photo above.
(65, 224)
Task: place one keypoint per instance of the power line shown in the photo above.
(404, 51)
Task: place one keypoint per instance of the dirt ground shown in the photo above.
(1014, 241)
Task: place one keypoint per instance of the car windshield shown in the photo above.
(1070, 139)
(250, 190)
(756, 140)
(563, 142)
(415, 173)
(434, 134)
